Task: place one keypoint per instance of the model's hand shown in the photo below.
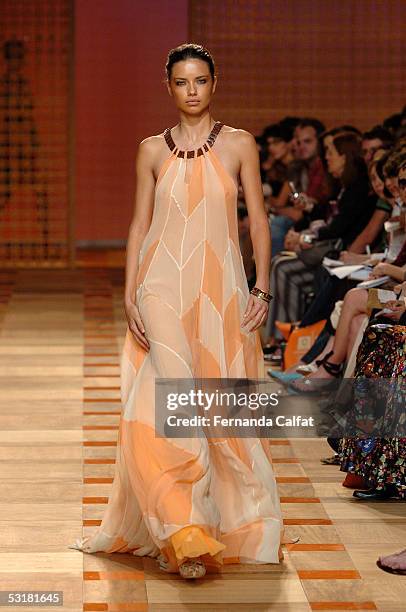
(255, 314)
(136, 325)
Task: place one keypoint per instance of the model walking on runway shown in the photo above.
(200, 502)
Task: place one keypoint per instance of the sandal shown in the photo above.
(334, 460)
(391, 570)
(192, 568)
(317, 385)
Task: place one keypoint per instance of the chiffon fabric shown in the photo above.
(177, 498)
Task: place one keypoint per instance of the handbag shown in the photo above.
(300, 342)
(320, 249)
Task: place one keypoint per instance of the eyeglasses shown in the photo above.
(402, 183)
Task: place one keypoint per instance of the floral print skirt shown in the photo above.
(380, 461)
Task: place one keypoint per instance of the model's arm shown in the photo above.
(259, 225)
(141, 221)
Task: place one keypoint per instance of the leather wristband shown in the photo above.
(267, 297)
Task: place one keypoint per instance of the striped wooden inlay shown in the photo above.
(95, 500)
(130, 575)
(315, 547)
(101, 413)
(307, 521)
(342, 605)
(115, 607)
(105, 461)
(292, 479)
(329, 575)
(299, 500)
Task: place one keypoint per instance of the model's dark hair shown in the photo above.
(349, 144)
(189, 51)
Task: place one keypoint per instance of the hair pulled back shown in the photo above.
(189, 51)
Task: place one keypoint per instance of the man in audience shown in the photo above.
(308, 176)
(373, 140)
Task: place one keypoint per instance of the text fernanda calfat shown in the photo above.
(218, 420)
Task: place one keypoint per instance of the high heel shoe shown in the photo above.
(192, 568)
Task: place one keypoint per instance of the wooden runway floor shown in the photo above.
(61, 334)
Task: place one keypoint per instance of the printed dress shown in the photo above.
(178, 498)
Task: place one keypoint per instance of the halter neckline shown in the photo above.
(193, 152)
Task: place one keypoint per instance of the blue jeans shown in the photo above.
(279, 228)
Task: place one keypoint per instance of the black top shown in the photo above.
(355, 208)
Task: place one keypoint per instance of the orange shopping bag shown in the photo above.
(300, 340)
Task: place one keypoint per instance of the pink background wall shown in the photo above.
(120, 53)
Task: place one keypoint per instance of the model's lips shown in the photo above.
(193, 102)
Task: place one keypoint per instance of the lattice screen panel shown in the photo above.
(35, 56)
(344, 62)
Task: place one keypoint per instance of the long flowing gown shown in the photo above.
(177, 498)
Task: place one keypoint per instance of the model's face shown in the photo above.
(377, 184)
(191, 86)
(277, 147)
(369, 148)
(402, 184)
(335, 161)
(307, 142)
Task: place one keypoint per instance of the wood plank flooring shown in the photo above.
(61, 333)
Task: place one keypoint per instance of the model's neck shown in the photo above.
(194, 129)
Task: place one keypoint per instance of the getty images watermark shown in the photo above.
(224, 407)
(240, 407)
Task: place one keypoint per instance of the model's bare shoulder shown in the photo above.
(151, 150)
(238, 137)
(152, 144)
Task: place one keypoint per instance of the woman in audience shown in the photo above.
(290, 277)
(353, 314)
(380, 461)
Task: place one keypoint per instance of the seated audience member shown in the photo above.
(393, 123)
(353, 313)
(308, 176)
(378, 463)
(279, 142)
(290, 277)
(355, 303)
(372, 236)
(375, 139)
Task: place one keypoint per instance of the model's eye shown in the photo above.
(180, 82)
(202, 81)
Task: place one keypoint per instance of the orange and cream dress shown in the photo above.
(188, 497)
